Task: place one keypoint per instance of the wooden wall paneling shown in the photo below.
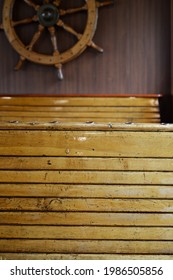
(136, 38)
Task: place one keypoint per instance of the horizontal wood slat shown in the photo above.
(83, 119)
(90, 115)
(88, 177)
(86, 163)
(79, 101)
(97, 219)
(85, 126)
(59, 246)
(86, 143)
(86, 233)
(72, 109)
(86, 205)
(92, 191)
(54, 256)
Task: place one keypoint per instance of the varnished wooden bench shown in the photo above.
(85, 190)
(122, 108)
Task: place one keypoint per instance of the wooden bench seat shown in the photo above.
(142, 109)
(86, 190)
(77, 183)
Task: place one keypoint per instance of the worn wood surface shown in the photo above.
(112, 109)
(92, 191)
(77, 246)
(86, 232)
(107, 202)
(85, 190)
(85, 163)
(53, 256)
(85, 143)
(79, 101)
(86, 218)
(78, 109)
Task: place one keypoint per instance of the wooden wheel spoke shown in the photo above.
(53, 38)
(52, 32)
(103, 4)
(32, 4)
(94, 46)
(69, 29)
(20, 63)
(72, 11)
(25, 21)
(36, 37)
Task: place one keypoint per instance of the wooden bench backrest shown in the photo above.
(87, 191)
(97, 109)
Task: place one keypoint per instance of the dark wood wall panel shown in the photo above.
(135, 35)
(172, 47)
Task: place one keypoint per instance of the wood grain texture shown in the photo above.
(85, 190)
(86, 205)
(80, 101)
(87, 143)
(80, 116)
(86, 219)
(88, 177)
(84, 126)
(52, 256)
(92, 191)
(83, 119)
(86, 232)
(117, 113)
(47, 109)
(102, 247)
(86, 163)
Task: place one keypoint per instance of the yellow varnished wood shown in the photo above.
(83, 119)
(53, 256)
(86, 205)
(84, 218)
(88, 177)
(86, 109)
(63, 109)
(84, 246)
(86, 232)
(86, 163)
(103, 115)
(79, 101)
(92, 191)
(84, 190)
(85, 143)
(85, 126)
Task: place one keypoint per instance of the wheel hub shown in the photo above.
(48, 15)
